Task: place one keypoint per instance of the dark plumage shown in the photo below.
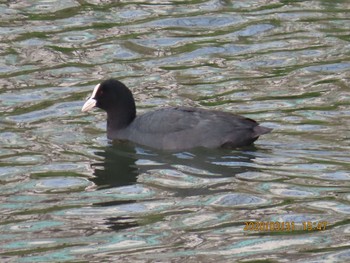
(175, 128)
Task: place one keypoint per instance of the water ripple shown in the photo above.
(283, 63)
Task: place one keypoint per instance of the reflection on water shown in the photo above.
(130, 169)
(116, 169)
(68, 195)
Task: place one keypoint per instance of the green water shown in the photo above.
(67, 195)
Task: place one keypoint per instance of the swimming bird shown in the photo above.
(172, 128)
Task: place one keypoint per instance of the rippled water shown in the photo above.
(67, 195)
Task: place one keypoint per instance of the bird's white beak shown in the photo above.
(91, 102)
(88, 105)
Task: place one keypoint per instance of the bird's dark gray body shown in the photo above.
(179, 128)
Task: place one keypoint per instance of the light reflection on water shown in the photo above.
(68, 195)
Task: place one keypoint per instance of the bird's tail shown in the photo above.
(260, 130)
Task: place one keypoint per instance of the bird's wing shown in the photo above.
(179, 120)
(168, 120)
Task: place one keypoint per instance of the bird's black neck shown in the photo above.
(120, 118)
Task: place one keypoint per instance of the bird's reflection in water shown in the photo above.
(117, 168)
(207, 164)
(123, 163)
(222, 162)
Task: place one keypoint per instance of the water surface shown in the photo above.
(68, 195)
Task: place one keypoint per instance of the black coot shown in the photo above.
(175, 128)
